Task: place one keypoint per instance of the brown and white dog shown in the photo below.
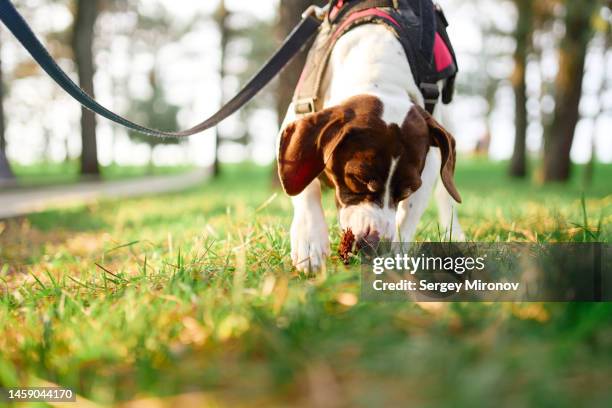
(382, 152)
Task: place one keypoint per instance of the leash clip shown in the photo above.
(315, 11)
(305, 106)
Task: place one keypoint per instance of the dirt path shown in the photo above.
(25, 201)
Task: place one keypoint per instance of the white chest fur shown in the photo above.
(370, 60)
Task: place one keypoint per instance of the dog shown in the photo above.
(374, 143)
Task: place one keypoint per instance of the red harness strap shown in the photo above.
(373, 12)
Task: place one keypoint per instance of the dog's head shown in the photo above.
(373, 165)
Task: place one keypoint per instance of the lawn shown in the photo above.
(193, 295)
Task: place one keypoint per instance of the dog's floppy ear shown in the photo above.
(439, 137)
(307, 144)
(420, 131)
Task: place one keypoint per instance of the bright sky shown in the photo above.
(190, 75)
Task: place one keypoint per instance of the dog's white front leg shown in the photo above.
(411, 210)
(309, 232)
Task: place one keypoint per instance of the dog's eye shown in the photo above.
(404, 194)
(359, 184)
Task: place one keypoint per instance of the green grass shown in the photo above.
(68, 172)
(193, 292)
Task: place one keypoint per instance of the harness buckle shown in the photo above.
(305, 106)
(431, 95)
(431, 92)
(315, 11)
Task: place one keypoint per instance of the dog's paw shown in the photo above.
(309, 243)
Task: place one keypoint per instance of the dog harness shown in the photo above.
(419, 25)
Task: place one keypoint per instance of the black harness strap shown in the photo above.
(420, 27)
(292, 45)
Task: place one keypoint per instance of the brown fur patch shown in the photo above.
(353, 147)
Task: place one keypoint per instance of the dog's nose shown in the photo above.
(369, 241)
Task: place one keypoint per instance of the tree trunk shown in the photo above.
(522, 35)
(290, 14)
(559, 135)
(589, 170)
(5, 170)
(82, 43)
(222, 17)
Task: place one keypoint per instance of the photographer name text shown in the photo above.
(380, 285)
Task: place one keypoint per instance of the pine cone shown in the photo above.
(346, 246)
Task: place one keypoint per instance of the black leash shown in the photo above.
(300, 35)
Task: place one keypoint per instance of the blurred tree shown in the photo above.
(221, 18)
(246, 44)
(605, 32)
(152, 32)
(6, 173)
(59, 43)
(482, 81)
(86, 14)
(559, 134)
(154, 112)
(522, 36)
